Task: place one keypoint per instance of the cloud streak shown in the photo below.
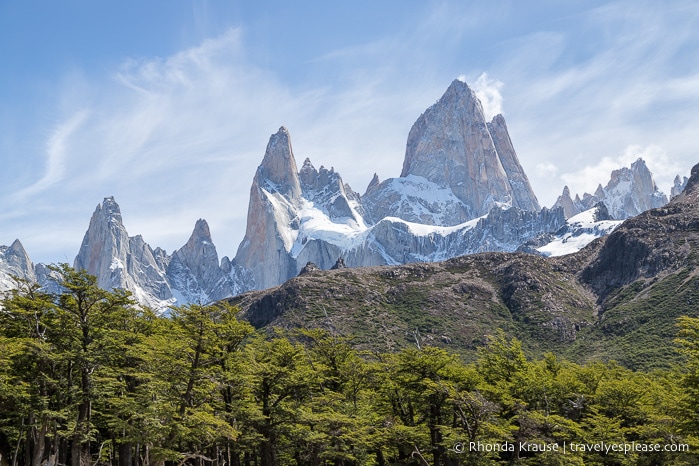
(179, 138)
(619, 78)
(56, 154)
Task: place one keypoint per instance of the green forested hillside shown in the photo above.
(453, 304)
(88, 379)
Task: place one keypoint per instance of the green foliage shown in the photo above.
(89, 378)
(638, 323)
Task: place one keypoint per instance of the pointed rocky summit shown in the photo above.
(451, 145)
(194, 270)
(570, 207)
(523, 194)
(278, 166)
(275, 195)
(14, 261)
(678, 186)
(119, 261)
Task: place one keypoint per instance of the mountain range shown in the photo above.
(616, 299)
(629, 192)
(461, 191)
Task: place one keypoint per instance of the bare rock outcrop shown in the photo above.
(523, 194)
(120, 261)
(451, 145)
(275, 196)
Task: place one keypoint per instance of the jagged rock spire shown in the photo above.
(340, 264)
(678, 186)
(690, 193)
(630, 191)
(373, 184)
(199, 254)
(451, 145)
(105, 241)
(195, 271)
(275, 195)
(570, 208)
(14, 261)
(278, 166)
(119, 261)
(522, 193)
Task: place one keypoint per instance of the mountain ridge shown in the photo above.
(573, 305)
(296, 216)
(630, 191)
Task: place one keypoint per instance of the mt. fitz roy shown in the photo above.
(447, 202)
(462, 190)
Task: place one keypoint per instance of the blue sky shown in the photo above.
(168, 105)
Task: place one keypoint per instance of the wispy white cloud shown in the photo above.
(179, 138)
(488, 92)
(547, 169)
(56, 153)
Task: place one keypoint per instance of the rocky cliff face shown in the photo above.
(195, 274)
(272, 226)
(192, 274)
(523, 195)
(643, 246)
(678, 186)
(120, 261)
(414, 199)
(569, 205)
(451, 145)
(400, 220)
(629, 192)
(579, 230)
(616, 299)
(462, 190)
(326, 190)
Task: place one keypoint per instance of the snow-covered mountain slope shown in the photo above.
(414, 199)
(406, 219)
(14, 262)
(629, 192)
(579, 231)
(462, 190)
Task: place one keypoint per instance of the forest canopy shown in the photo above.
(89, 378)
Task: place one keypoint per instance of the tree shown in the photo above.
(280, 379)
(688, 341)
(28, 376)
(56, 344)
(189, 370)
(85, 313)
